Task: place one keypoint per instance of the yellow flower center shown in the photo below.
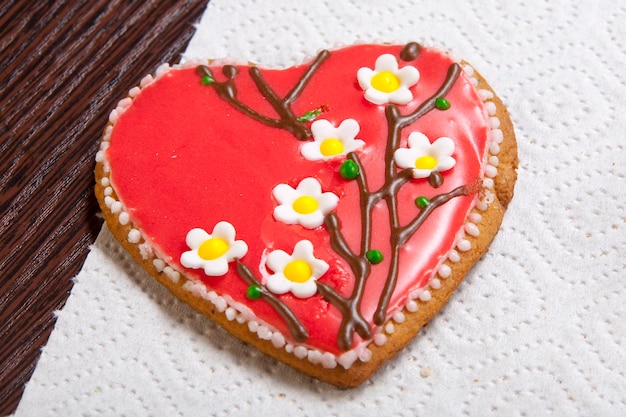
(305, 205)
(212, 248)
(298, 271)
(425, 162)
(386, 81)
(331, 147)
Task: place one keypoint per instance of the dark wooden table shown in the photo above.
(63, 65)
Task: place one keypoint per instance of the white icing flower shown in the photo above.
(425, 157)
(214, 251)
(331, 142)
(296, 272)
(306, 205)
(387, 83)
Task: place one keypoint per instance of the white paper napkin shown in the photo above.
(537, 328)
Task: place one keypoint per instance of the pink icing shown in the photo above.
(181, 157)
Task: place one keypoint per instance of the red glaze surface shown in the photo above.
(181, 157)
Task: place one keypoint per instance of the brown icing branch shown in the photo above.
(299, 332)
(350, 307)
(405, 233)
(394, 180)
(352, 319)
(454, 71)
(399, 236)
(227, 90)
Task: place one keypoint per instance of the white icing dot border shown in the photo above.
(470, 229)
(238, 312)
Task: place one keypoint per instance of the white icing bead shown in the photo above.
(124, 218)
(412, 306)
(300, 352)
(230, 313)
(158, 264)
(289, 348)
(116, 207)
(100, 156)
(494, 148)
(494, 122)
(489, 197)
(146, 81)
(347, 359)
(493, 160)
(113, 116)
(108, 191)
(123, 104)
(365, 356)
(464, 245)
(471, 229)
(487, 183)
(425, 296)
(212, 296)
(314, 356)
(389, 328)
(328, 360)
(435, 284)
(253, 326)
(399, 317)
(105, 181)
(482, 205)
(475, 218)
(484, 94)
(162, 69)
(491, 171)
(188, 286)
(133, 92)
(491, 108)
(134, 236)
(380, 339)
(264, 333)
(278, 340)
(172, 274)
(453, 256)
(145, 251)
(220, 304)
(497, 135)
(444, 271)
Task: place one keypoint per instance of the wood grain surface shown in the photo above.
(63, 67)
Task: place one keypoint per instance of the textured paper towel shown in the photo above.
(537, 328)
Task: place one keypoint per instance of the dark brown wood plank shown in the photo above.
(63, 65)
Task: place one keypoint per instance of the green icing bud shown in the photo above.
(349, 170)
(422, 201)
(374, 256)
(254, 292)
(442, 104)
(207, 80)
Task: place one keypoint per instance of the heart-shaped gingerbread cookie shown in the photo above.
(323, 213)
